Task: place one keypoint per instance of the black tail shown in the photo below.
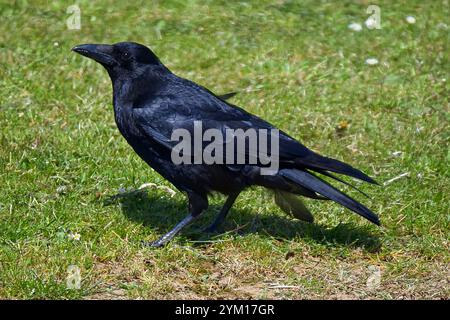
(316, 161)
(311, 182)
(326, 173)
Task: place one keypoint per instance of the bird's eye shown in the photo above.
(126, 55)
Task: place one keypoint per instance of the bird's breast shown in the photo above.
(125, 122)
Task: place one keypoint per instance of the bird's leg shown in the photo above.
(169, 235)
(220, 218)
(197, 204)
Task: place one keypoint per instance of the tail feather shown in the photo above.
(310, 181)
(316, 161)
(325, 173)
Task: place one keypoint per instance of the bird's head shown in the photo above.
(127, 59)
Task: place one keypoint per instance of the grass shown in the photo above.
(295, 64)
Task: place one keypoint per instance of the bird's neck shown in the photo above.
(128, 90)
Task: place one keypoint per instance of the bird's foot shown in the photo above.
(212, 229)
(153, 244)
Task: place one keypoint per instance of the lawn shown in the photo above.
(70, 200)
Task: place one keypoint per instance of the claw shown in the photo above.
(212, 229)
(153, 244)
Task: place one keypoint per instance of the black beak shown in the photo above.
(102, 53)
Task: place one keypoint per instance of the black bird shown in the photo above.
(150, 102)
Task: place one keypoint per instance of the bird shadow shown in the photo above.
(162, 213)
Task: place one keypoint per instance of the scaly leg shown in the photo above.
(197, 204)
(220, 218)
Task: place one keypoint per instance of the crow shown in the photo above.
(150, 103)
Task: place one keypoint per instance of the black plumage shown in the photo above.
(150, 102)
